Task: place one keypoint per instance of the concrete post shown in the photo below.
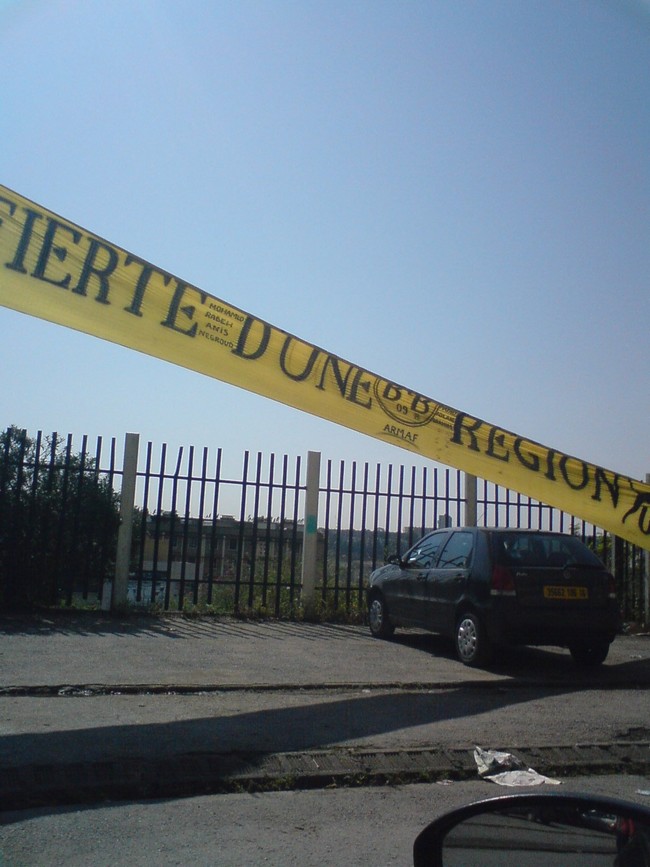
(616, 565)
(471, 507)
(310, 531)
(127, 503)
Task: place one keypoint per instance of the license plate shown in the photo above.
(551, 592)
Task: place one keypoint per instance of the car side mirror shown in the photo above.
(541, 830)
(394, 560)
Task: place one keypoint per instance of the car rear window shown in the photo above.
(542, 549)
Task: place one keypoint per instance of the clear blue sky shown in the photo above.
(454, 195)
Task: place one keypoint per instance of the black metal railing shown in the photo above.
(225, 540)
(208, 539)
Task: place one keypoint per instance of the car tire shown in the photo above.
(590, 654)
(472, 644)
(378, 620)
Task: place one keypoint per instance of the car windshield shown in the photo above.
(543, 549)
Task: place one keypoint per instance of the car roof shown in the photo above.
(496, 530)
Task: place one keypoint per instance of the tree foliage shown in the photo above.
(58, 521)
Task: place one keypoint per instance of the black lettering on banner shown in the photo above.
(496, 438)
(550, 469)
(18, 263)
(341, 381)
(238, 317)
(48, 248)
(244, 351)
(403, 405)
(461, 424)
(188, 310)
(359, 382)
(214, 318)
(420, 405)
(218, 328)
(600, 478)
(400, 433)
(206, 334)
(102, 272)
(642, 506)
(566, 473)
(529, 460)
(309, 366)
(392, 393)
(11, 207)
(135, 307)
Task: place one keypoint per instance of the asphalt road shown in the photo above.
(94, 707)
(363, 827)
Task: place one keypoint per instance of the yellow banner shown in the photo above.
(57, 271)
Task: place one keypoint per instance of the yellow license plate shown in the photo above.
(565, 592)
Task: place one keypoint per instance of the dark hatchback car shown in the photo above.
(486, 587)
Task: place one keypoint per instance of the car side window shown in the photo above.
(425, 553)
(457, 552)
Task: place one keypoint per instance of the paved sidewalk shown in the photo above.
(94, 707)
(88, 648)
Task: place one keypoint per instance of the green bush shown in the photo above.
(58, 522)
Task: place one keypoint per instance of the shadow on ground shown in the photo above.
(175, 626)
(550, 665)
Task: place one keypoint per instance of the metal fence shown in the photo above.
(208, 537)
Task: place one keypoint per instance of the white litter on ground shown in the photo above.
(505, 769)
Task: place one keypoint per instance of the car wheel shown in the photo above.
(472, 644)
(378, 620)
(594, 653)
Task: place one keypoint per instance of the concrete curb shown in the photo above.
(192, 774)
(55, 690)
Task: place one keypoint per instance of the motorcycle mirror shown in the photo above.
(538, 830)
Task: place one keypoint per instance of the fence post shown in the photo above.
(618, 568)
(310, 531)
(127, 502)
(471, 508)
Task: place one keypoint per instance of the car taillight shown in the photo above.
(503, 581)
